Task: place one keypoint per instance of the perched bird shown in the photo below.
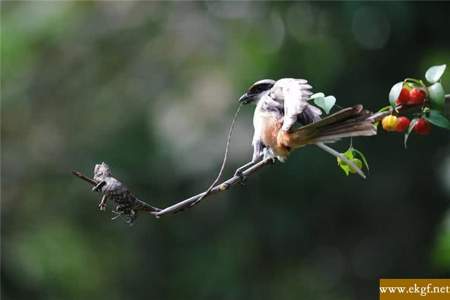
(284, 120)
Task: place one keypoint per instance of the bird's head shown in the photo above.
(256, 90)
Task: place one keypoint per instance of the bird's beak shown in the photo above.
(245, 99)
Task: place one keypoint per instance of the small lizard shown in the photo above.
(127, 204)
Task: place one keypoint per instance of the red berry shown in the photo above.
(416, 96)
(422, 127)
(402, 124)
(403, 98)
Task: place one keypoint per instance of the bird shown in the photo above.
(285, 120)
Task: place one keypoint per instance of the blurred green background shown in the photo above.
(150, 88)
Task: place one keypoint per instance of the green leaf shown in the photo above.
(395, 92)
(350, 155)
(331, 101)
(436, 118)
(408, 132)
(358, 163)
(362, 157)
(346, 168)
(319, 101)
(436, 94)
(325, 103)
(412, 83)
(435, 73)
(386, 108)
(317, 95)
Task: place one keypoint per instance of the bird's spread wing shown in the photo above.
(295, 93)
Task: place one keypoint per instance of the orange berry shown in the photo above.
(389, 123)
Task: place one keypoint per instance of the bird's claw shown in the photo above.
(242, 177)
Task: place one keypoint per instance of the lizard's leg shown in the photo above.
(102, 204)
(98, 186)
(131, 217)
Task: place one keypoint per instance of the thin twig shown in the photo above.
(85, 178)
(188, 202)
(217, 189)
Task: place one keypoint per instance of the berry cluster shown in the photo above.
(401, 124)
(424, 104)
(411, 96)
(414, 107)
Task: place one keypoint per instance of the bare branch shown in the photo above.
(85, 178)
(217, 189)
(190, 202)
(187, 203)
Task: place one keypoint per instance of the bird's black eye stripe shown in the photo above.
(258, 88)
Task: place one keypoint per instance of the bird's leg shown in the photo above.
(268, 153)
(258, 150)
(98, 186)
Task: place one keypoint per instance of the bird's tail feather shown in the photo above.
(348, 122)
